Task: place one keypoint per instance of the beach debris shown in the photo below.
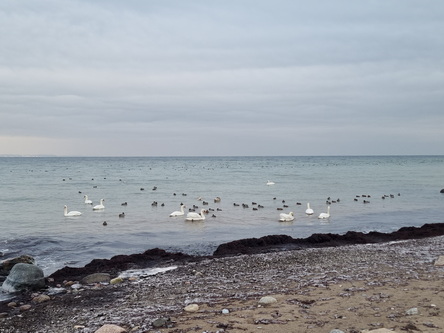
(267, 300)
(191, 308)
(110, 328)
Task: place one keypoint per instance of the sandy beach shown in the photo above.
(358, 288)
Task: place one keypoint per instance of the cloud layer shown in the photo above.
(221, 78)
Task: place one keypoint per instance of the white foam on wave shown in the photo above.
(145, 272)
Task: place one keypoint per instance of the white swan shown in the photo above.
(192, 216)
(71, 213)
(87, 201)
(286, 217)
(325, 215)
(270, 182)
(177, 212)
(309, 211)
(99, 206)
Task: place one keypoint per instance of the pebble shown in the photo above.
(440, 261)
(41, 298)
(225, 311)
(110, 328)
(267, 300)
(116, 280)
(192, 308)
(412, 311)
(336, 331)
(25, 307)
(96, 278)
(76, 286)
(161, 322)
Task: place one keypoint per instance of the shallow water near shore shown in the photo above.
(34, 191)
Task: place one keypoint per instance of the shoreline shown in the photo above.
(266, 244)
(352, 288)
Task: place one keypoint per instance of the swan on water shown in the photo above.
(309, 211)
(270, 182)
(286, 217)
(87, 201)
(99, 206)
(192, 216)
(325, 215)
(71, 213)
(177, 212)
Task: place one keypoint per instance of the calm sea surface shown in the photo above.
(34, 190)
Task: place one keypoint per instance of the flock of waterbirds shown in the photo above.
(194, 214)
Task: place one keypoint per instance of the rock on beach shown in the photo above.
(23, 277)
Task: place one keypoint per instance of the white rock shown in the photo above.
(110, 328)
(412, 311)
(191, 308)
(225, 311)
(267, 300)
(439, 261)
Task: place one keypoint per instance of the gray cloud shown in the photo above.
(221, 77)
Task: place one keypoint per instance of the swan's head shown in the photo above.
(291, 213)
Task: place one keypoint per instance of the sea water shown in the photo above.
(34, 190)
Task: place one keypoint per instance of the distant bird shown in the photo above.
(217, 199)
(286, 217)
(99, 206)
(195, 216)
(270, 182)
(325, 215)
(309, 211)
(177, 212)
(122, 215)
(71, 213)
(124, 203)
(87, 201)
(104, 223)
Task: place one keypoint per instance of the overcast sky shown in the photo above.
(223, 77)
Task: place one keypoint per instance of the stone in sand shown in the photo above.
(439, 261)
(379, 330)
(41, 298)
(192, 308)
(267, 300)
(110, 328)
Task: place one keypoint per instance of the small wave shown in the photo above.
(145, 272)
